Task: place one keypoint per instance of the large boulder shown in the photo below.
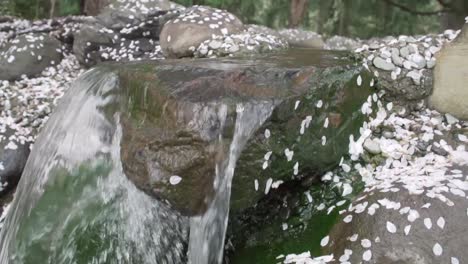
(124, 31)
(182, 35)
(451, 77)
(134, 149)
(317, 106)
(28, 55)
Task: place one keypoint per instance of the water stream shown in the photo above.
(74, 203)
(207, 232)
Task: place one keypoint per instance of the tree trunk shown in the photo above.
(343, 25)
(296, 12)
(52, 9)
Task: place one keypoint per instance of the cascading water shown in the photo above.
(75, 204)
(207, 232)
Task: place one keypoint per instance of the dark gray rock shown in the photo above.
(28, 54)
(13, 157)
(88, 40)
(124, 31)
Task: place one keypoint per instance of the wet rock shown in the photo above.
(28, 55)
(152, 152)
(450, 78)
(181, 35)
(13, 156)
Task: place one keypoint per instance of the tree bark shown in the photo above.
(296, 12)
(52, 8)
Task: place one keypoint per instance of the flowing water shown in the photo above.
(207, 232)
(74, 203)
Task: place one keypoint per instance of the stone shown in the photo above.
(415, 76)
(410, 242)
(12, 160)
(125, 30)
(28, 54)
(388, 134)
(374, 46)
(372, 146)
(194, 26)
(431, 63)
(90, 38)
(451, 77)
(191, 153)
(418, 61)
(405, 52)
(342, 43)
(215, 44)
(439, 150)
(383, 64)
(302, 38)
(450, 119)
(396, 59)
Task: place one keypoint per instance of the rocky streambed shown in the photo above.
(350, 166)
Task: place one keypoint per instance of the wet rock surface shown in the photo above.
(13, 157)
(318, 110)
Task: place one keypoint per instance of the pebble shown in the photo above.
(372, 146)
(451, 120)
(383, 64)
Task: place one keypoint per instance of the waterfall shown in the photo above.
(74, 204)
(207, 232)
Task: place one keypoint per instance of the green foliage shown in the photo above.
(36, 9)
(356, 18)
